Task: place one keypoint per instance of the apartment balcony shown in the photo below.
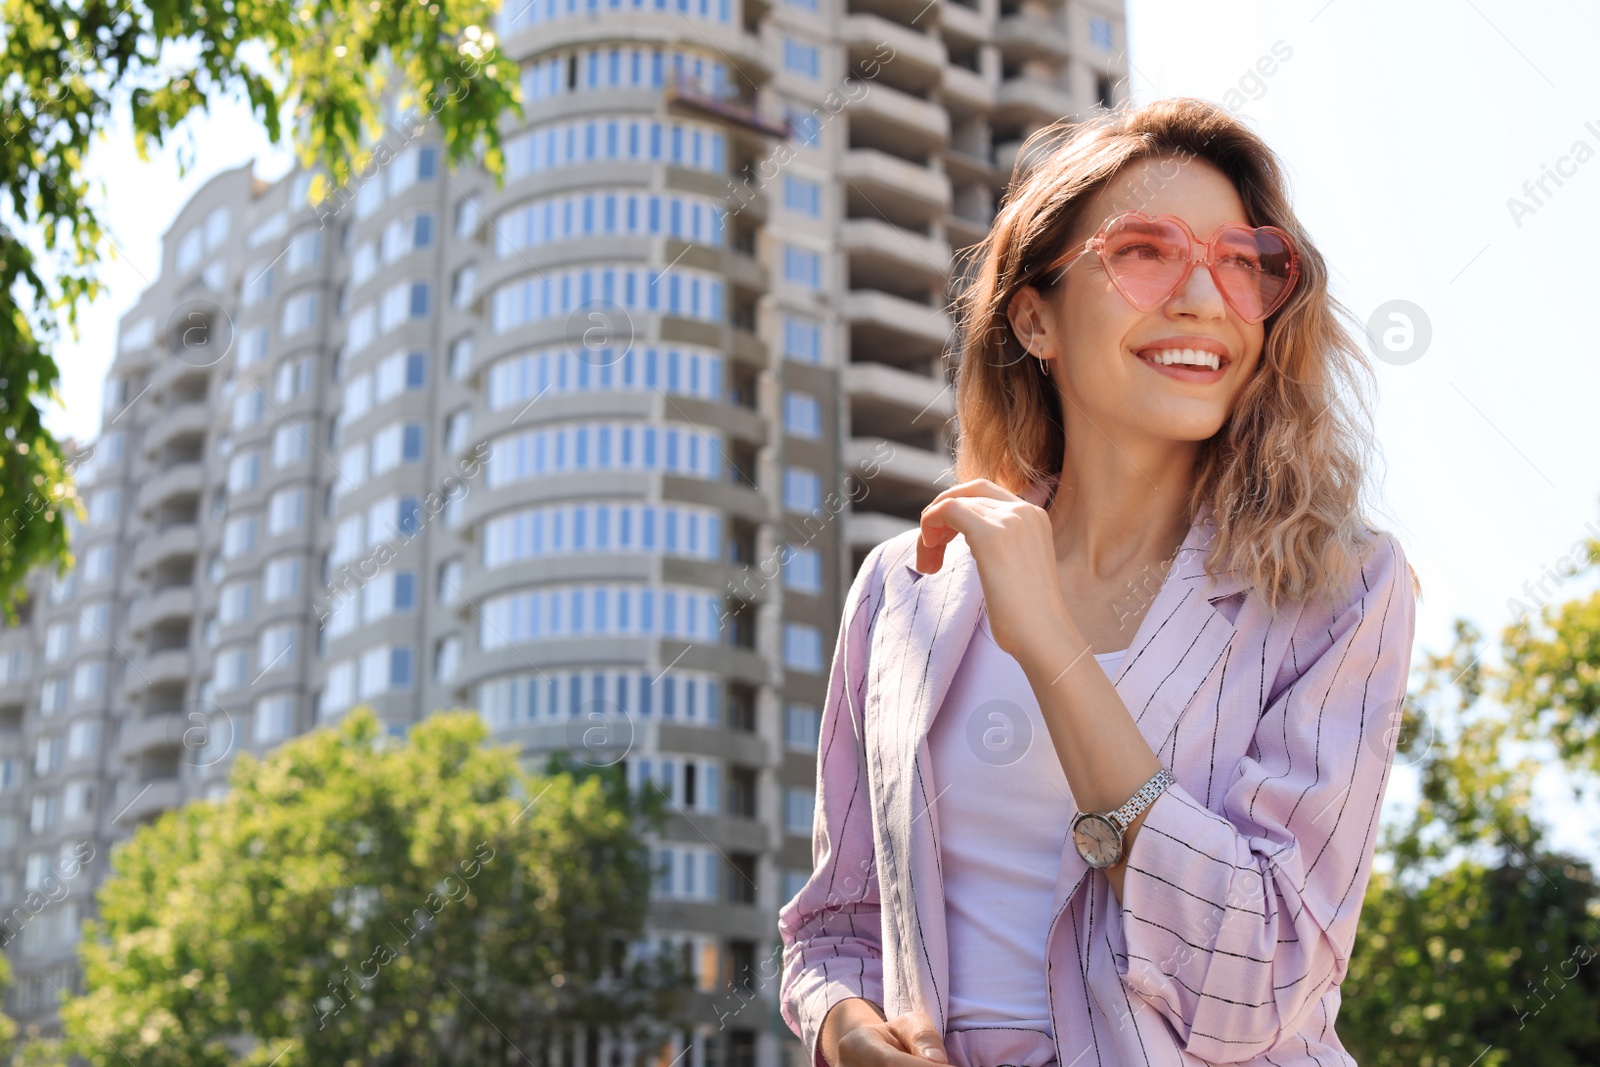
(16, 665)
(893, 403)
(13, 743)
(918, 59)
(175, 603)
(884, 256)
(159, 731)
(1033, 34)
(181, 479)
(741, 116)
(894, 330)
(1005, 159)
(745, 272)
(14, 688)
(903, 192)
(176, 421)
(967, 90)
(174, 542)
(170, 666)
(904, 479)
(149, 800)
(864, 529)
(965, 232)
(958, 20)
(899, 122)
(741, 50)
(185, 375)
(1029, 100)
(747, 199)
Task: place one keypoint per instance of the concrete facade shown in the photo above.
(540, 448)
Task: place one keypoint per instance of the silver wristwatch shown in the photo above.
(1100, 837)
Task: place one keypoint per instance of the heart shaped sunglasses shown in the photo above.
(1149, 258)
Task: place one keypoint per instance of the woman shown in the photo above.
(1106, 736)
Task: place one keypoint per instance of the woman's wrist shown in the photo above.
(1053, 645)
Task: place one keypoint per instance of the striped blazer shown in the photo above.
(1245, 883)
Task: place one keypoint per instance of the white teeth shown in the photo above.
(1190, 356)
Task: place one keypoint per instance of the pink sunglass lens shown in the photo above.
(1146, 258)
(1255, 269)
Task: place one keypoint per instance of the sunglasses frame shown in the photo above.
(1199, 252)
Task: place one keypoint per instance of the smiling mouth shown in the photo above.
(1184, 358)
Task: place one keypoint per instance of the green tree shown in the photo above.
(1555, 673)
(68, 67)
(8, 1027)
(1476, 947)
(358, 898)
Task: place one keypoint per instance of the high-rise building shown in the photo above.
(605, 444)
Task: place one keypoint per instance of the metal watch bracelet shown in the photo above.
(1142, 799)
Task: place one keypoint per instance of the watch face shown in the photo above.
(1098, 841)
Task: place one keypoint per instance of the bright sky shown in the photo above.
(1406, 129)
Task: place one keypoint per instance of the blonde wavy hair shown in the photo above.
(1285, 475)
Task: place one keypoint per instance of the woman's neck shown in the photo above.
(1102, 535)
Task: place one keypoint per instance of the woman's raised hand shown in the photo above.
(1013, 547)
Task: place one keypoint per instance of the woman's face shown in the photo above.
(1099, 346)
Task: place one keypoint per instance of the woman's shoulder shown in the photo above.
(1378, 577)
(1382, 564)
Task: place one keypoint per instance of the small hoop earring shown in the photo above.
(1043, 365)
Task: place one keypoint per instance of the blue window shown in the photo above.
(802, 196)
(802, 339)
(409, 520)
(400, 668)
(411, 442)
(803, 570)
(405, 591)
(422, 231)
(802, 415)
(1100, 32)
(802, 647)
(805, 126)
(800, 57)
(802, 489)
(802, 267)
(419, 300)
(427, 161)
(416, 370)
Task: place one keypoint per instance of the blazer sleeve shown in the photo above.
(1236, 925)
(832, 939)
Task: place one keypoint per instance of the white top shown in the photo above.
(1004, 813)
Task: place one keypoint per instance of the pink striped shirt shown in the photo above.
(1243, 890)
